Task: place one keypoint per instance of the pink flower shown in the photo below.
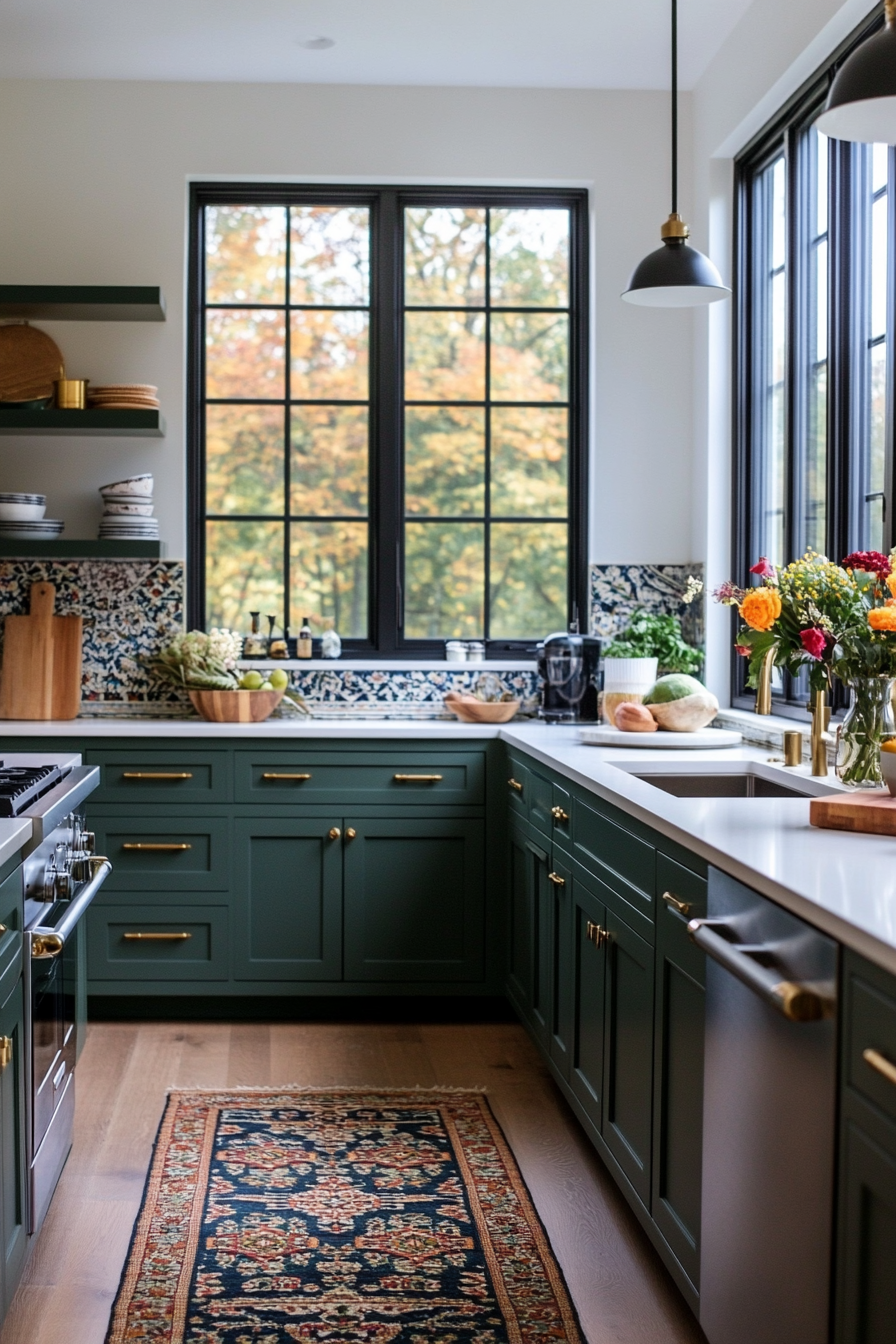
(763, 569)
(814, 642)
(743, 649)
(728, 594)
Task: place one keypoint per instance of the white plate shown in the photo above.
(605, 736)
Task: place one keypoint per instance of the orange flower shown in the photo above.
(891, 583)
(882, 618)
(761, 607)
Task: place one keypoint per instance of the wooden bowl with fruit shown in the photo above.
(254, 701)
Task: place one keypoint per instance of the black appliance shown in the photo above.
(569, 667)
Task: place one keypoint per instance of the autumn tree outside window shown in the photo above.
(388, 412)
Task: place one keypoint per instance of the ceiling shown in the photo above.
(528, 43)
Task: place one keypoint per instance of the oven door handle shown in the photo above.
(100, 868)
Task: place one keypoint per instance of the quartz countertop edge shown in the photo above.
(844, 884)
(15, 832)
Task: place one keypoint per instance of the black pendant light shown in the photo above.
(676, 275)
(862, 102)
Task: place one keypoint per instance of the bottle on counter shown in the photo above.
(255, 645)
(272, 621)
(303, 644)
(279, 645)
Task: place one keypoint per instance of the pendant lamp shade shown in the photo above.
(676, 275)
(862, 102)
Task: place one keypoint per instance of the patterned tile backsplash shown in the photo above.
(132, 608)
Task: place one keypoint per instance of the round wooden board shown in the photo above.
(30, 362)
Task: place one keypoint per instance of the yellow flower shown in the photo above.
(761, 608)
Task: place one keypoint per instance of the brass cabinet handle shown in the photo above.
(333, 833)
(273, 774)
(557, 880)
(3, 929)
(515, 784)
(880, 1064)
(595, 934)
(350, 832)
(5, 1052)
(167, 848)
(682, 907)
(156, 937)
(559, 815)
(45, 945)
(149, 774)
(417, 779)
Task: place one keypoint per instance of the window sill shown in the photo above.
(391, 664)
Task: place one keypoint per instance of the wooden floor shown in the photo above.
(622, 1292)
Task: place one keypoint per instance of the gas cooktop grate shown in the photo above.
(20, 785)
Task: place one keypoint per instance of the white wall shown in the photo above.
(773, 50)
(94, 180)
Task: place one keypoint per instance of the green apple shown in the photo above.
(279, 679)
(251, 680)
(265, 686)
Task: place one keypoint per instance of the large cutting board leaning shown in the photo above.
(41, 673)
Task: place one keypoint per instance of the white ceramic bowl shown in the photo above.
(16, 497)
(134, 485)
(19, 513)
(138, 510)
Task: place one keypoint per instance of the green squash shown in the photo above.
(681, 704)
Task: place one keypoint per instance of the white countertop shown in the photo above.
(844, 884)
(15, 832)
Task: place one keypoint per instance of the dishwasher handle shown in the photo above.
(797, 1002)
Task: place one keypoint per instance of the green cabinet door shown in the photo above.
(628, 1052)
(560, 1022)
(414, 899)
(866, 1306)
(287, 899)
(12, 1140)
(530, 905)
(679, 1012)
(587, 972)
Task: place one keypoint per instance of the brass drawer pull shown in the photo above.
(515, 784)
(156, 937)
(156, 848)
(272, 774)
(682, 907)
(596, 935)
(5, 1052)
(333, 833)
(557, 880)
(417, 779)
(3, 929)
(559, 815)
(147, 774)
(350, 833)
(880, 1064)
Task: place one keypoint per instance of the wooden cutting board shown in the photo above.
(867, 810)
(41, 675)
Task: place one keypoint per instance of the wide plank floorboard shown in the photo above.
(622, 1292)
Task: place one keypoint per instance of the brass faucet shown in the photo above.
(821, 717)
(764, 689)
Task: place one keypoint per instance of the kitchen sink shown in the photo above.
(749, 781)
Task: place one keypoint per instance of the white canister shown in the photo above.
(455, 651)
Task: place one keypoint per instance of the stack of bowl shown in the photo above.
(127, 510)
(22, 518)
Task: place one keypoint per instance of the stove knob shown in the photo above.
(81, 868)
(62, 887)
(88, 842)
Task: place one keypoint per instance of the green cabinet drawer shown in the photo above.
(158, 942)
(414, 900)
(518, 788)
(869, 1006)
(633, 860)
(343, 780)
(161, 852)
(11, 918)
(137, 777)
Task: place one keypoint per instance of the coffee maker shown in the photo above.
(569, 667)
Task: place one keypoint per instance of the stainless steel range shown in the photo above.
(61, 875)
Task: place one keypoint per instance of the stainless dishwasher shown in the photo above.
(768, 1121)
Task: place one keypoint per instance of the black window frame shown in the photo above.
(782, 134)
(386, 203)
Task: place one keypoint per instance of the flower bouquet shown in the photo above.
(835, 621)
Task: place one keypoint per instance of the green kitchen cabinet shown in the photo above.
(13, 1172)
(587, 974)
(560, 992)
(530, 913)
(628, 1052)
(413, 899)
(288, 898)
(679, 1017)
(157, 849)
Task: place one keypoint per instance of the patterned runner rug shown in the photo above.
(337, 1217)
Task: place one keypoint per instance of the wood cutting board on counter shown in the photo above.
(872, 810)
(41, 672)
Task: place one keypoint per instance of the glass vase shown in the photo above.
(868, 722)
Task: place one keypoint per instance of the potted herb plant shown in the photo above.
(650, 644)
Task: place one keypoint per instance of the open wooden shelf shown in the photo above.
(142, 424)
(81, 550)
(83, 303)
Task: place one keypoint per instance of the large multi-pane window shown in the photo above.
(816, 308)
(389, 412)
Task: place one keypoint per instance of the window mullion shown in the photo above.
(385, 389)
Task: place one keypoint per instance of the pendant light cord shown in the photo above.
(675, 106)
